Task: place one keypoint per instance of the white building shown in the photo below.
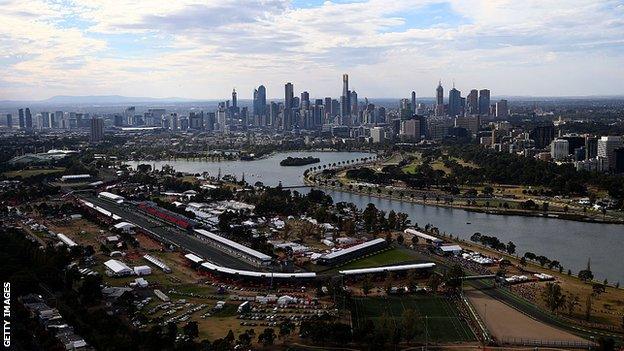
(559, 149)
(606, 148)
(116, 268)
(378, 134)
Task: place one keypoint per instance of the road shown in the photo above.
(171, 234)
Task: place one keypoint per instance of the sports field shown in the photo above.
(384, 258)
(441, 318)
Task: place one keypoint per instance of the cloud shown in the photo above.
(202, 48)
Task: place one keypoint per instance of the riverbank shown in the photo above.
(491, 210)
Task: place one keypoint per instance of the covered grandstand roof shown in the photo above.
(403, 267)
(257, 274)
(422, 235)
(354, 248)
(234, 245)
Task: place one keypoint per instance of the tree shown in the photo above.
(366, 285)
(511, 248)
(267, 337)
(191, 330)
(572, 302)
(553, 296)
(586, 274)
(453, 276)
(400, 239)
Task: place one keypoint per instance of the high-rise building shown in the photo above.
(59, 121)
(559, 149)
(619, 160)
(305, 101)
(21, 121)
(234, 99)
(502, 110)
(97, 129)
(439, 107)
(9, 121)
(455, 103)
(28, 119)
(259, 104)
(542, 135)
(469, 123)
(353, 100)
(484, 102)
(606, 149)
(591, 147)
(414, 102)
(287, 122)
(472, 102)
(345, 103)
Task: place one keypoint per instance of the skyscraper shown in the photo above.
(484, 102)
(472, 102)
(261, 101)
(502, 110)
(439, 107)
(345, 104)
(353, 101)
(288, 106)
(413, 102)
(606, 148)
(28, 118)
(455, 102)
(97, 129)
(9, 120)
(21, 122)
(234, 99)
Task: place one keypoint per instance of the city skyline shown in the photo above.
(201, 51)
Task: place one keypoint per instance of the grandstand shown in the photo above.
(344, 255)
(233, 248)
(167, 216)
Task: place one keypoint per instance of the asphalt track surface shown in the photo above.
(170, 234)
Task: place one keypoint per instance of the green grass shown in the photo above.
(27, 173)
(439, 316)
(384, 258)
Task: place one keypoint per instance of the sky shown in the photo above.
(204, 49)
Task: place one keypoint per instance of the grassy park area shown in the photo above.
(439, 318)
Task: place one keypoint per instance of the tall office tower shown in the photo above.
(261, 108)
(46, 122)
(455, 102)
(606, 149)
(305, 101)
(542, 135)
(97, 129)
(591, 147)
(327, 109)
(209, 121)
(9, 120)
(405, 109)
(353, 100)
(287, 122)
(21, 122)
(472, 102)
(273, 115)
(234, 99)
(381, 115)
(318, 112)
(345, 104)
(58, 120)
(484, 102)
(129, 115)
(254, 106)
(502, 110)
(413, 102)
(439, 107)
(28, 118)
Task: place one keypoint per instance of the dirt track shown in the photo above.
(504, 322)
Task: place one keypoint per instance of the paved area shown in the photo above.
(172, 234)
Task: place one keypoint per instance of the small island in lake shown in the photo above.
(299, 161)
